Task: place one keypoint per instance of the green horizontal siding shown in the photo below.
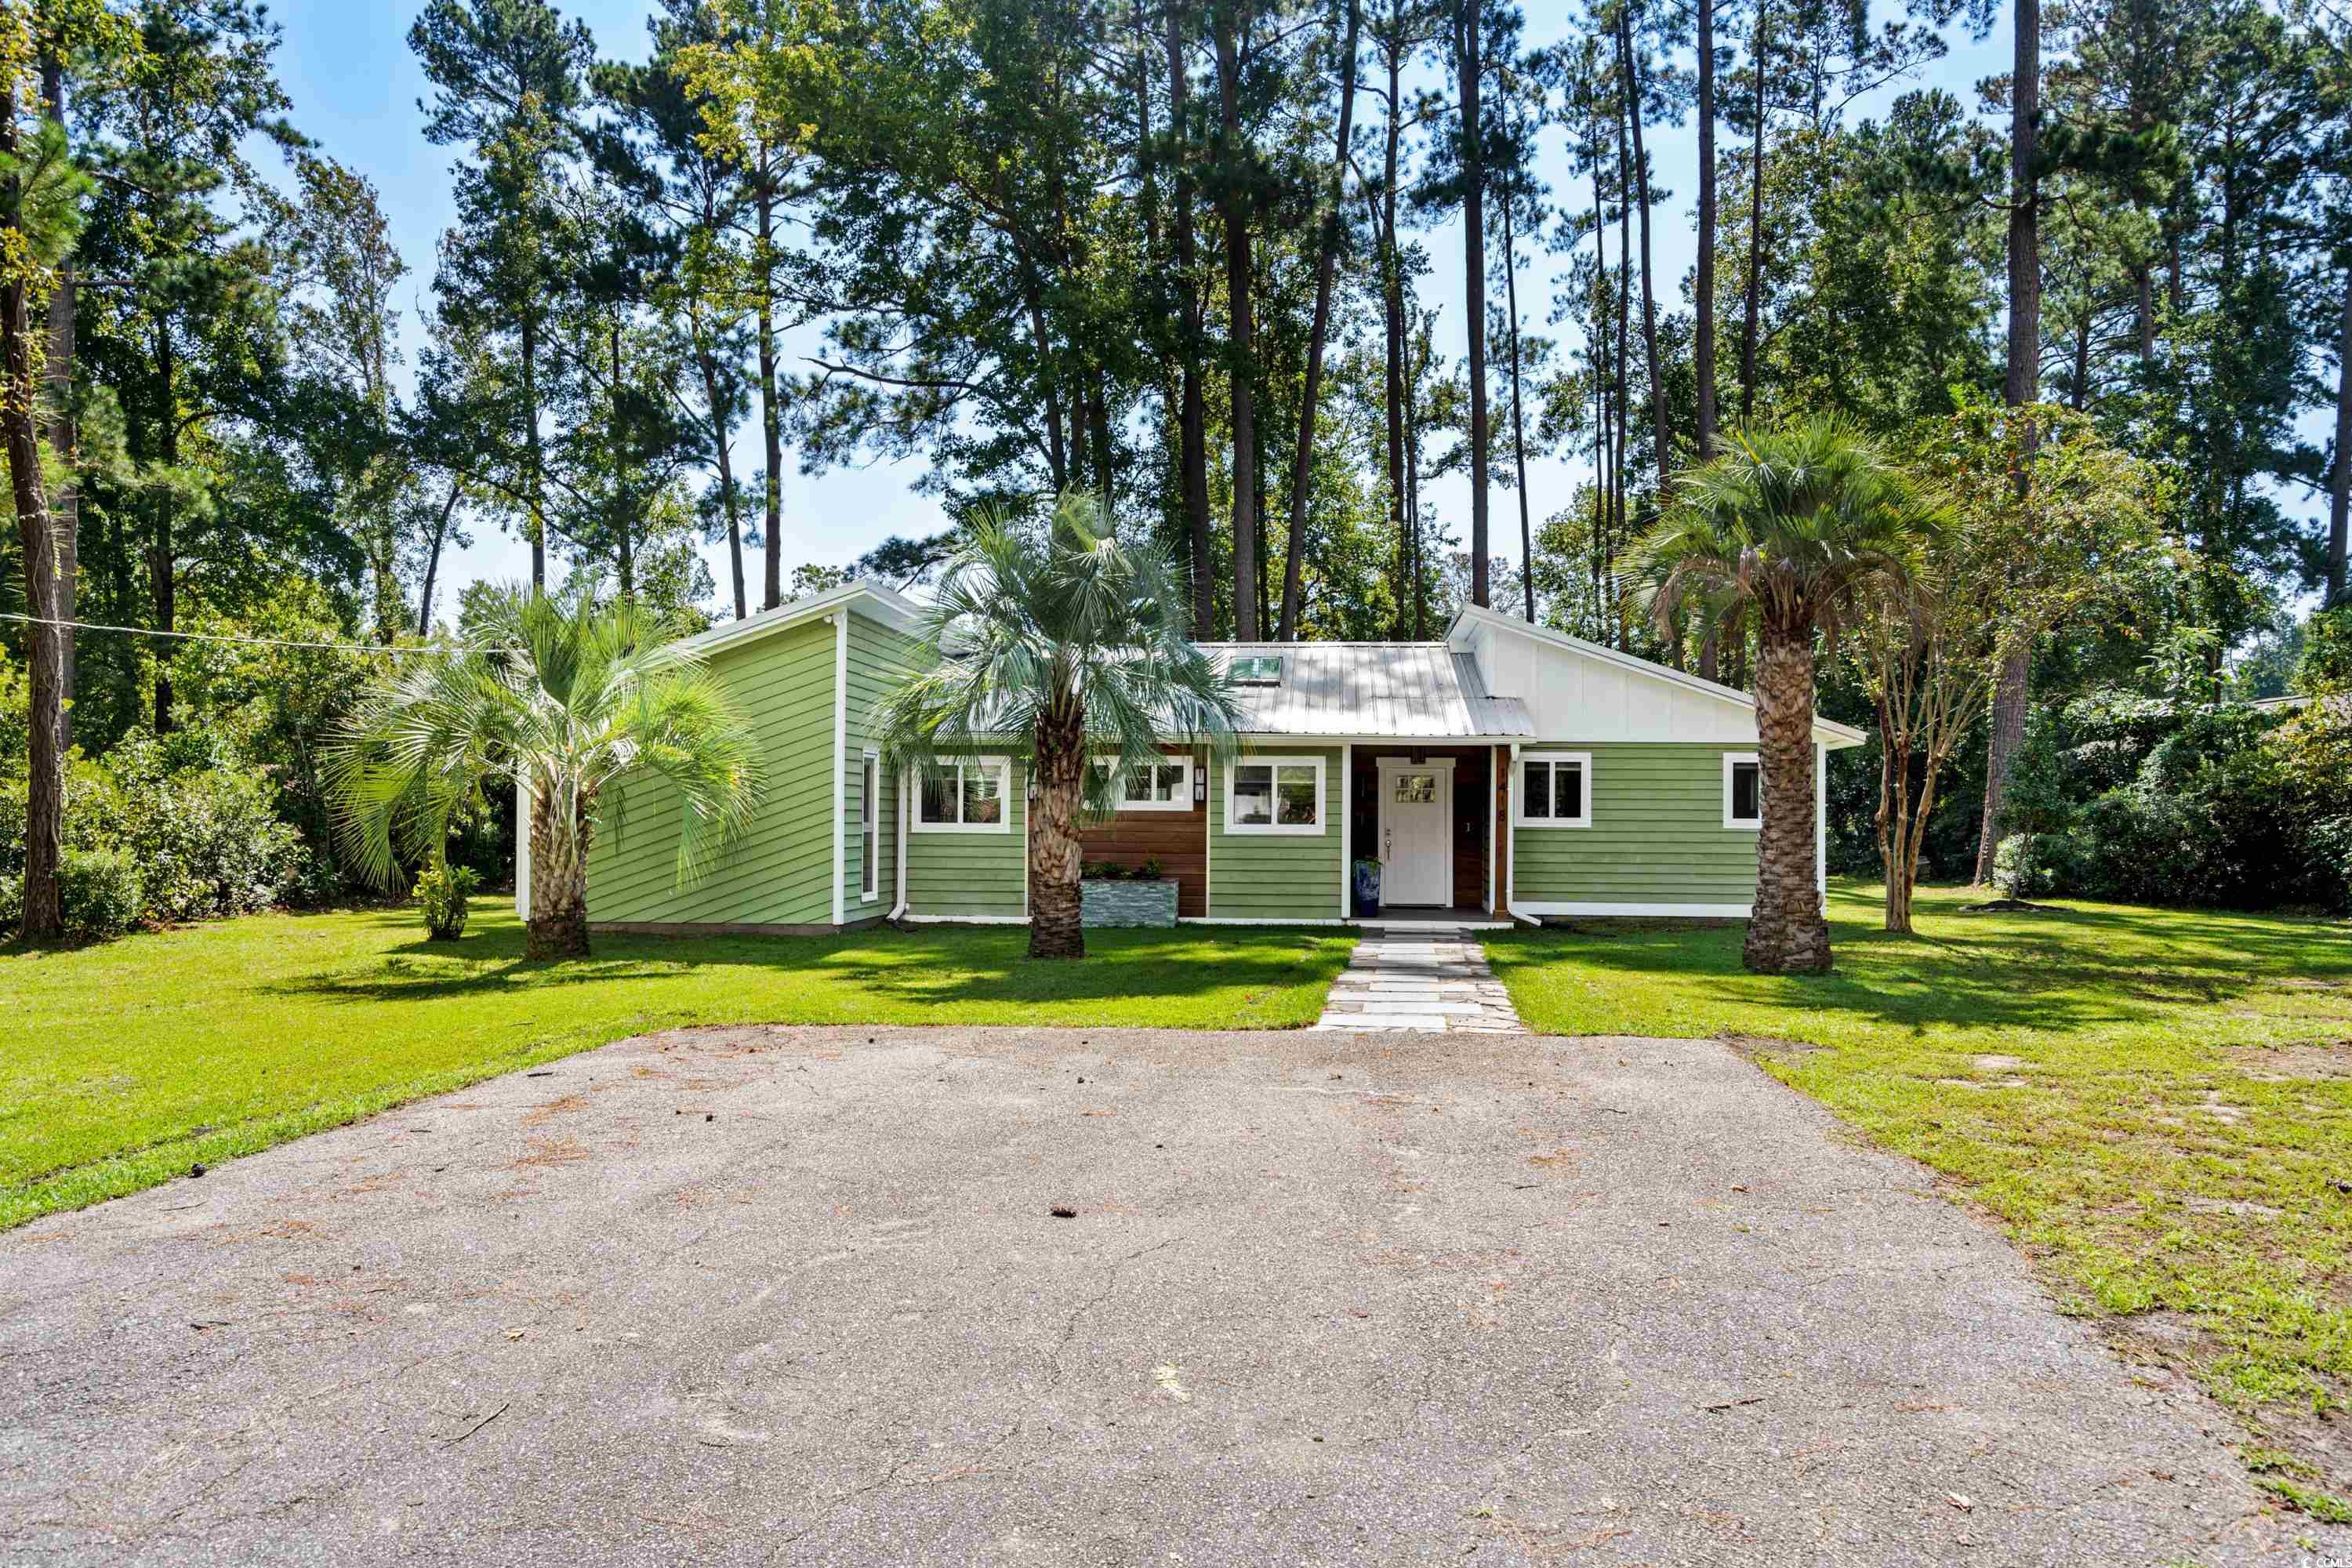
(960, 876)
(779, 871)
(1658, 834)
(1273, 876)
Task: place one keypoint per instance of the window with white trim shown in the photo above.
(1275, 796)
(869, 828)
(1743, 791)
(1555, 790)
(964, 795)
(1164, 786)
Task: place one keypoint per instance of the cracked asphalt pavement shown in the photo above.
(792, 1296)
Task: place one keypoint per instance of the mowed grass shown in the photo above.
(126, 1063)
(2156, 1102)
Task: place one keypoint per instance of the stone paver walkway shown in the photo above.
(1419, 980)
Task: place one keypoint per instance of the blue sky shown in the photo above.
(355, 86)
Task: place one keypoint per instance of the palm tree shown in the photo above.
(1056, 641)
(1787, 525)
(561, 696)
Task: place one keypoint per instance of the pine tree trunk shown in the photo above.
(43, 919)
(433, 560)
(1703, 286)
(557, 926)
(1327, 259)
(1233, 204)
(1754, 302)
(1519, 417)
(2021, 386)
(534, 494)
(1393, 313)
(1787, 934)
(1474, 269)
(1192, 419)
(720, 435)
(2339, 481)
(771, 430)
(1659, 434)
(1055, 927)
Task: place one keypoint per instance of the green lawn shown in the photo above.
(2158, 1103)
(128, 1061)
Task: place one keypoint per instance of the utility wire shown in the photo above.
(219, 636)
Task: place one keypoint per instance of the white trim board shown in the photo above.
(840, 619)
(966, 919)
(1662, 911)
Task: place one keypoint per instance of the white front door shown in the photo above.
(1416, 821)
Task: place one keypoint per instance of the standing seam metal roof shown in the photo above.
(1423, 692)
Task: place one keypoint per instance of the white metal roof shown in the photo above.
(1423, 691)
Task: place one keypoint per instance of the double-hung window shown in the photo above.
(1555, 790)
(1743, 791)
(1164, 786)
(1274, 795)
(869, 828)
(964, 795)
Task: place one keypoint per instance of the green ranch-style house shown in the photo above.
(1505, 773)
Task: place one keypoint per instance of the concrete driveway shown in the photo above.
(796, 1296)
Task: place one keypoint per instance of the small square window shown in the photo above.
(1276, 795)
(1555, 791)
(963, 796)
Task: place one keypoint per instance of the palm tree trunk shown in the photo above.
(1055, 930)
(1787, 933)
(557, 926)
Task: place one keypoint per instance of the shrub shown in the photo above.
(102, 892)
(2025, 866)
(443, 889)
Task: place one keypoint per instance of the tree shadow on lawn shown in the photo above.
(943, 966)
(2060, 970)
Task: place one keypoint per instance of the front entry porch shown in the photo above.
(1429, 816)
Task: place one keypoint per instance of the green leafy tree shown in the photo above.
(1791, 525)
(1056, 640)
(2013, 562)
(561, 695)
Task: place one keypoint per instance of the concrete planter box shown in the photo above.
(1126, 903)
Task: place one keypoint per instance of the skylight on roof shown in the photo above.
(1257, 670)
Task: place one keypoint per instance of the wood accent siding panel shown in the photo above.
(1178, 840)
(780, 872)
(959, 876)
(1276, 877)
(1658, 834)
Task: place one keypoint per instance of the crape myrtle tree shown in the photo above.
(1056, 640)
